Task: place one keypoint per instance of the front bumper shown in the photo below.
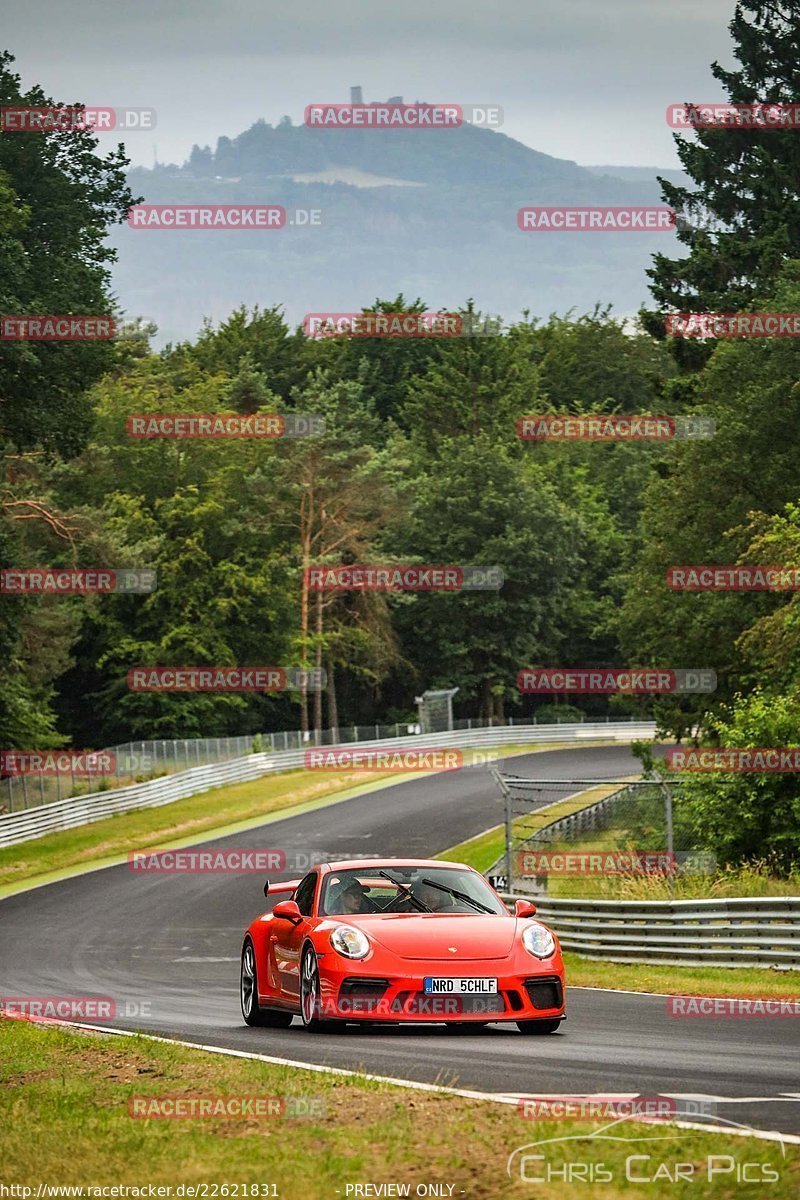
(526, 996)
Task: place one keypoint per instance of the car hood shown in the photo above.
(431, 936)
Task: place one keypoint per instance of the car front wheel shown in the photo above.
(311, 994)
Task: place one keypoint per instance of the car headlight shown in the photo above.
(350, 942)
(538, 941)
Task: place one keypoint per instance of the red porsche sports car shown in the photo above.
(399, 941)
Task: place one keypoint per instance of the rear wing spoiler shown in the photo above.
(288, 886)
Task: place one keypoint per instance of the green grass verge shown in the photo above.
(209, 814)
(753, 879)
(222, 810)
(64, 1120)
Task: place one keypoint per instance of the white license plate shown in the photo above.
(450, 986)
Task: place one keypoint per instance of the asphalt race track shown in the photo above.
(171, 943)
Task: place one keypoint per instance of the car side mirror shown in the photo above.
(288, 910)
(524, 908)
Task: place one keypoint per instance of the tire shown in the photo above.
(310, 995)
(539, 1026)
(248, 995)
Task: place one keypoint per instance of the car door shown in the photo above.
(287, 938)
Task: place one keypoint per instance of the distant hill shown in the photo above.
(644, 174)
(430, 213)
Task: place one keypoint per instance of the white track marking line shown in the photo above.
(766, 1135)
(585, 987)
(190, 959)
(582, 987)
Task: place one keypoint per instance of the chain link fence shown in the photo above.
(601, 832)
(134, 762)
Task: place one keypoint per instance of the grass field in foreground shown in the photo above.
(199, 816)
(64, 1120)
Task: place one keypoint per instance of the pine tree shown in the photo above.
(748, 179)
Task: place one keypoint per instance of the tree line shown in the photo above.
(420, 463)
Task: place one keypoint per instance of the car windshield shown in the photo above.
(409, 890)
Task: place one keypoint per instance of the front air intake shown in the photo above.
(545, 992)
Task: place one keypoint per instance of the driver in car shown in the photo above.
(351, 898)
(432, 898)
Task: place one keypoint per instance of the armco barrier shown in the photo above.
(135, 762)
(81, 810)
(588, 818)
(755, 932)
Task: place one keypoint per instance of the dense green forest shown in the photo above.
(420, 462)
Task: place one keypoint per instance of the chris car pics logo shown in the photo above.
(580, 1159)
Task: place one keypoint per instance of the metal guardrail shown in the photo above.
(139, 761)
(755, 932)
(582, 819)
(82, 810)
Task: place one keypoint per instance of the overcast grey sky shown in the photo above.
(587, 80)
